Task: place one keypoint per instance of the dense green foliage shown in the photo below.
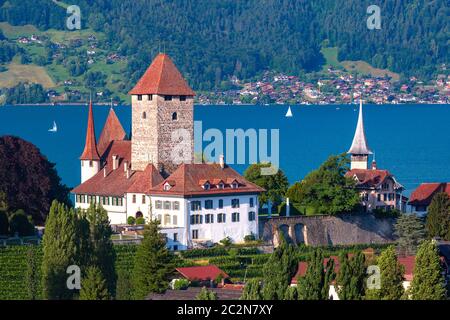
(313, 286)
(410, 232)
(428, 282)
(252, 290)
(153, 263)
(26, 93)
(276, 185)
(351, 277)
(28, 180)
(33, 281)
(438, 218)
(94, 286)
(327, 189)
(391, 276)
(20, 224)
(206, 294)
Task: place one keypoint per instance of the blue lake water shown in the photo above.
(412, 141)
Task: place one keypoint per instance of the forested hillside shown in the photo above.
(212, 40)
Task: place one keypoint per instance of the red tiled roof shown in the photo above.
(303, 266)
(408, 263)
(201, 273)
(115, 183)
(112, 130)
(369, 177)
(425, 192)
(185, 181)
(90, 149)
(146, 180)
(162, 77)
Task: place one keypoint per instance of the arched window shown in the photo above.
(144, 115)
(174, 116)
(166, 219)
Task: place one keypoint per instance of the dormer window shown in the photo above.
(221, 185)
(206, 186)
(234, 185)
(167, 186)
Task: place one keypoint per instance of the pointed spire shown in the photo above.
(162, 77)
(112, 130)
(359, 144)
(90, 149)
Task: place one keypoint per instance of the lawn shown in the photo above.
(363, 67)
(20, 72)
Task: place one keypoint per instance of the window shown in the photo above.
(206, 186)
(176, 205)
(182, 98)
(175, 237)
(385, 186)
(220, 203)
(235, 217)
(143, 199)
(91, 163)
(209, 218)
(252, 203)
(150, 97)
(196, 205)
(158, 204)
(167, 187)
(175, 248)
(235, 203)
(196, 219)
(105, 201)
(384, 196)
(379, 197)
(194, 234)
(174, 116)
(114, 201)
(220, 185)
(391, 196)
(175, 220)
(134, 198)
(144, 115)
(159, 217)
(221, 218)
(166, 219)
(120, 202)
(251, 216)
(167, 98)
(208, 204)
(234, 185)
(167, 205)
(139, 97)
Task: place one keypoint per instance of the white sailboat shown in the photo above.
(289, 113)
(54, 128)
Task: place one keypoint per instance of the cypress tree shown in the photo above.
(153, 263)
(278, 271)
(252, 290)
(438, 218)
(206, 294)
(350, 280)
(59, 251)
(310, 287)
(94, 286)
(391, 274)
(410, 232)
(124, 289)
(291, 293)
(329, 276)
(428, 282)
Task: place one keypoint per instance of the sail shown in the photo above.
(289, 112)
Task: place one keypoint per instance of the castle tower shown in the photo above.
(162, 116)
(359, 150)
(90, 159)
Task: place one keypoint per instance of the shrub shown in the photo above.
(140, 220)
(131, 220)
(20, 223)
(181, 284)
(249, 238)
(226, 241)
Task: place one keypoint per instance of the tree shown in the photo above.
(350, 280)
(291, 293)
(312, 285)
(28, 180)
(206, 294)
(278, 271)
(32, 278)
(428, 282)
(438, 218)
(124, 289)
(59, 251)
(410, 232)
(391, 276)
(276, 185)
(19, 223)
(102, 250)
(252, 290)
(94, 286)
(153, 263)
(327, 189)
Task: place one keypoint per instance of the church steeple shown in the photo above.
(90, 159)
(359, 150)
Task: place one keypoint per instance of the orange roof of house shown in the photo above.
(90, 151)
(408, 263)
(425, 192)
(201, 273)
(162, 77)
(146, 180)
(112, 130)
(186, 181)
(369, 177)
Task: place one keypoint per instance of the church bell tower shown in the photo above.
(359, 150)
(162, 112)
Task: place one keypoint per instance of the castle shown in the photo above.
(378, 188)
(152, 174)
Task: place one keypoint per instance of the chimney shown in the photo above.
(125, 166)
(222, 161)
(115, 160)
(127, 172)
(104, 172)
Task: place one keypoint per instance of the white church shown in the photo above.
(195, 203)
